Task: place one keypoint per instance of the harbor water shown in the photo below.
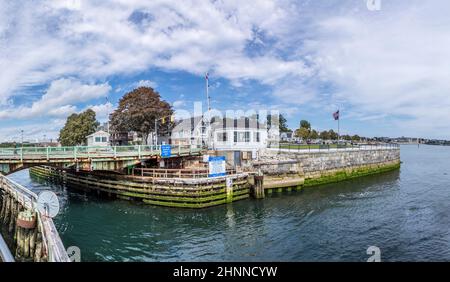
(405, 213)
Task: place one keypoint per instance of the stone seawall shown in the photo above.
(282, 168)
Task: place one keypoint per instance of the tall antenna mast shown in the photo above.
(207, 92)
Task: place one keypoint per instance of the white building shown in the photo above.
(240, 134)
(98, 138)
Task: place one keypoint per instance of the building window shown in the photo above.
(257, 121)
(256, 137)
(97, 139)
(222, 136)
(247, 122)
(241, 137)
(235, 123)
(104, 139)
(247, 136)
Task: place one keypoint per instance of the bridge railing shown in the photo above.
(76, 152)
(175, 173)
(333, 147)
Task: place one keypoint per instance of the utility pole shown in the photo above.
(208, 100)
(207, 124)
(156, 131)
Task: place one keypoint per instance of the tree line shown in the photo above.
(307, 133)
(137, 111)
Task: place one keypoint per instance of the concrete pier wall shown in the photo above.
(280, 170)
(283, 168)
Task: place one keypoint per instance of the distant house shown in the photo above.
(190, 131)
(244, 133)
(98, 138)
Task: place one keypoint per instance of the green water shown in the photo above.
(404, 212)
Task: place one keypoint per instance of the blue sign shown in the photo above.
(217, 166)
(166, 151)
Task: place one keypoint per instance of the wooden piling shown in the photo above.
(258, 187)
(26, 230)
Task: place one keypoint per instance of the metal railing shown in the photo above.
(80, 152)
(51, 241)
(175, 173)
(5, 254)
(332, 147)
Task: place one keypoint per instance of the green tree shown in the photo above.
(283, 124)
(346, 137)
(303, 133)
(356, 138)
(314, 134)
(138, 110)
(324, 135)
(305, 124)
(77, 127)
(332, 135)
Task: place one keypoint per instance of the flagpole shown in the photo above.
(207, 92)
(339, 134)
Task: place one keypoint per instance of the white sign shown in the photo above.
(217, 166)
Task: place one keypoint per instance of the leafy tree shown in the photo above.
(283, 124)
(332, 135)
(356, 138)
(346, 137)
(138, 110)
(77, 128)
(305, 124)
(324, 135)
(314, 134)
(302, 132)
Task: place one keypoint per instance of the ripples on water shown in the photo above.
(405, 213)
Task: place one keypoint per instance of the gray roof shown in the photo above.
(218, 123)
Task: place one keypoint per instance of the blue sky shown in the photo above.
(386, 69)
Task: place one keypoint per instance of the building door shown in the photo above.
(237, 158)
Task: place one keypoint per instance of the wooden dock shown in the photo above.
(178, 188)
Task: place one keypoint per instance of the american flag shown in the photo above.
(336, 115)
(206, 76)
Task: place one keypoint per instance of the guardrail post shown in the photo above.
(139, 151)
(115, 151)
(21, 154)
(75, 152)
(48, 151)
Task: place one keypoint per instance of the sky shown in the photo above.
(384, 64)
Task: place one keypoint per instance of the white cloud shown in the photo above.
(179, 103)
(147, 83)
(102, 111)
(44, 42)
(391, 63)
(59, 100)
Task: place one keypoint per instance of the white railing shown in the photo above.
(80, 152)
